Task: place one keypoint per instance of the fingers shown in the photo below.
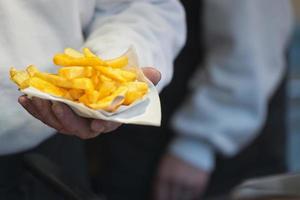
(104, 126)
(184, 192)
(178, 180)
(98, 125)
(152, 74)
(28, 105)
(162, 190)
(73, 123)
(62, 118)
(174, 190)
(79, 126)
(46, 114)
(41, 109)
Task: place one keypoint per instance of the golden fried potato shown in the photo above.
(47, 87)
(106, 89)
(88, 53)
(136, 91)
(112, 102)
(54, 79)
(86, 78)
(96, 80)
(118, 62)
(77, 83)
(32, 70)
(82, 83)
(73, 53)
(76, 93)
(12, 71)
(75, 72)
(21, 78)
(68, 96)
(92, 96)
(84, 99)
(66, 60)
(119, 75)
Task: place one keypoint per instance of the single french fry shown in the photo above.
(88, 53)
(84, 99)
(76, 93)
(82, 83)
(32, 70)
(21, 78)
(92, 96)
(119, 62)
(47, 87)
(54, 79)
(111, 73)
(12, 71)
(104, 78)
(77, 83)
(73, 53)
(75, 72)
(68, 96)
(136, 91)
(66, 61)
(106, 89)
(129, 76)
(111, 102)
(119, 75)
(95, 79)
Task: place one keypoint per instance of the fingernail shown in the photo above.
(57, 109)
(22, 100)
(97, 126)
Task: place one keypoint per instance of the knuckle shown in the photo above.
(70, 125)
(84, 136)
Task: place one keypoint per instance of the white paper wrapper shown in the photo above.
(146, 111)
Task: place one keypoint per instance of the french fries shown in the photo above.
(86, 78)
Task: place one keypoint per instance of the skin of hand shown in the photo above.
(60, 117)
(178, 180)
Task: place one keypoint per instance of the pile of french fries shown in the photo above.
(86, 78)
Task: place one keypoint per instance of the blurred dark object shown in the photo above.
(222, 197)
(21, 180)
(52, 176)
(281, 187)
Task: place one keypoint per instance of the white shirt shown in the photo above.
(32, 31)
(245, 61)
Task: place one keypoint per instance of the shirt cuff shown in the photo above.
(193, 151)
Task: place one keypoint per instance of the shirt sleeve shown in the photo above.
(155, 28)
(245, 62)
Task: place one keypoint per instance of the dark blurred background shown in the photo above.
(123, 164)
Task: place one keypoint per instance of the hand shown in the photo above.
(62, 118)
(177, 180)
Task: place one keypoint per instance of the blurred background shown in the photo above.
(124, 165)
(293, 114)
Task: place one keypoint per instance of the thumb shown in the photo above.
(152, 74)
